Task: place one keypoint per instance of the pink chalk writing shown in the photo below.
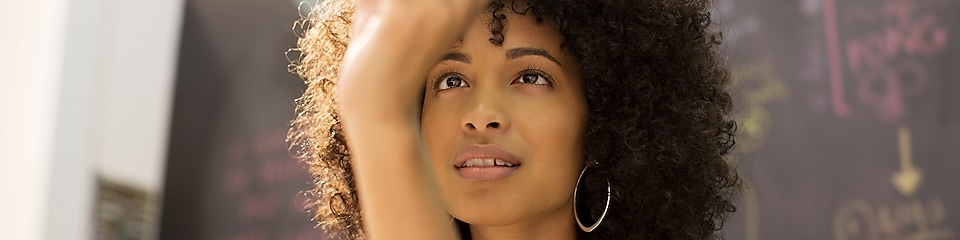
(917, 38)
(884, 88)
(885, 62)
(249, 234)
(260, 183)
(280, 171)
(235, 180)
(840, 107)
(303, 234)
(257, 207)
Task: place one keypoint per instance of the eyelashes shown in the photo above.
(443, 76)
(518, 78)
(535, 71)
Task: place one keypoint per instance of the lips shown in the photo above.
(484, 163)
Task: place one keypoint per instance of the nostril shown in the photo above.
(493, 125)
(471, 126)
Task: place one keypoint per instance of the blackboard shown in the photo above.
(849, 116)
(229, 174)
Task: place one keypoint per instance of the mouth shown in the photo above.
(484, 163)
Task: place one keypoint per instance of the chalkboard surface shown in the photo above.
(849, 116)
(229, 174)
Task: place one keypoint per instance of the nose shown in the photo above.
(485, 118)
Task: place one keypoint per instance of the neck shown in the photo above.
(557, 225)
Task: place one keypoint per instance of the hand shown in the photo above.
(394, 44)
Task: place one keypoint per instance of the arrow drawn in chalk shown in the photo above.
(908, 177)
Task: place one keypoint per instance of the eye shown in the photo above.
(450, 81)
(533, 77)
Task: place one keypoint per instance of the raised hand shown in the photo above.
(394, 44)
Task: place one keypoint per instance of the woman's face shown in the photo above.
(503, 125)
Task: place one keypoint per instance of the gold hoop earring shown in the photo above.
(605, 207)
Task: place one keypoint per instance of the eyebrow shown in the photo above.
(530, 51)
(456, 56)
(511, 55)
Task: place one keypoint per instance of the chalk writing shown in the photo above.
(752, 201)
(757, 83)
(911, 220)
(908, 178)
(837, 100)
(249, 234)
(884, 61)
(915, 220)
(260, 182)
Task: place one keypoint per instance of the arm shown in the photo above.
(393, 47)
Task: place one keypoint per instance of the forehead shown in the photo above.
(515, 30)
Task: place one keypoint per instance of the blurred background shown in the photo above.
(137, 119)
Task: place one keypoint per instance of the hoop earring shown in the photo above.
(605, 207)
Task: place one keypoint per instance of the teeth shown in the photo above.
(486, 162)
(473, 162)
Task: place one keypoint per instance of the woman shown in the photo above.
(577, 119)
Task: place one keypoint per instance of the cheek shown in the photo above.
(439, 129)
(554, 139)
(554, 131)
(552, 135)
(555, 124)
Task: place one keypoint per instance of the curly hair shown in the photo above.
(659, 125)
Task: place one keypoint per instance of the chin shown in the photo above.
(486, 207)
(488, 217)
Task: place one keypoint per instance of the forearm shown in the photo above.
(381, 81)
(398, 192)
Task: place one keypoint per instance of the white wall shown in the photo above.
(31, 53)
(140, 75)
(85, 91)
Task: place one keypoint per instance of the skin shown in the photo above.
(530, 105)
(394, 43)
